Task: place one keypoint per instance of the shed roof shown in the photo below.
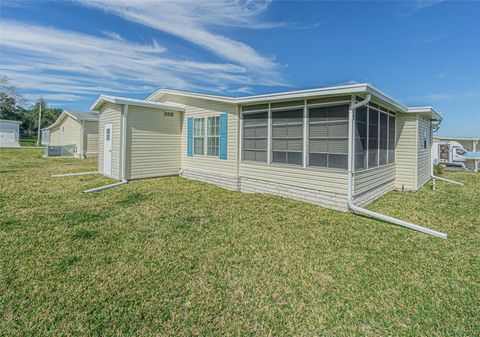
(87, 116)
(9, 121)
(82, 115)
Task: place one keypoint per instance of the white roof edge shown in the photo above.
(333, 90)
(426, 110)
(131, 101)
(457, 138)
(57, 121)
(71, 115)
(220, 98)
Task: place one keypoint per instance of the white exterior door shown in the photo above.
(107, 150)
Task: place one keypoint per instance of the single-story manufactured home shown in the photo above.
(9, 133)
(75, 129)
(328, 146)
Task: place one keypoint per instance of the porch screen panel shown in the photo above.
(383, 138)
(287, 136)
(255, 133)
(328, 136)
(373, 138)
(391, 139)
(361, 138)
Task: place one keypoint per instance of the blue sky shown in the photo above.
(418, 52)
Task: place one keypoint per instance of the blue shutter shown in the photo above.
(190, 136)
(223, 135)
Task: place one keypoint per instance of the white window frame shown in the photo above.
(195, 120)
(216, 118)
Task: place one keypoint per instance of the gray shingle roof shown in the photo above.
(82, 115)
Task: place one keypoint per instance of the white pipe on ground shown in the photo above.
(351, 163)
(98, 189)
(72, 174)
(434, 177)
(447, 180)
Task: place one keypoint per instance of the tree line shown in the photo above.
(14, 106)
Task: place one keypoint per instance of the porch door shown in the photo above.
(107, 150)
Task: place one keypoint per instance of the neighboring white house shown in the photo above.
(297, 144)
(75, 129)
(457, 151)
(9, 133)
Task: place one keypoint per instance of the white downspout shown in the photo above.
(351, 163)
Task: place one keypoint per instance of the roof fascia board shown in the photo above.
(426, 110)
(340, 90)
(216, 98)
(122, 100)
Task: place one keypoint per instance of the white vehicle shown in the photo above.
(452, 153)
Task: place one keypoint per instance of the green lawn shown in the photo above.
(28, 141)
(178, 257)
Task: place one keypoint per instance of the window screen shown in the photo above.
(391, 139)
(361, 138)
(373, 138)
(287, 136)
(383, 138)
(213, 136)
(328, 136)
(255, 133)
(199, 136)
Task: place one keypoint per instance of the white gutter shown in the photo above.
(351, 163)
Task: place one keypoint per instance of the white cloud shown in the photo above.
(415, 6)
(59, 62)
(430, 39)
(195, 22)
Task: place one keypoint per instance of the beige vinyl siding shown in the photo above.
(368, 180)
(311, 178)
(195, 107)
(110, 113)
(423, 155)
(406, 149)
(67, 133)
(153, 143)
(91, 132)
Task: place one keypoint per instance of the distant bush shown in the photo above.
(438, 170)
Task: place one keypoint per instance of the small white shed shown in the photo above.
(9, 133)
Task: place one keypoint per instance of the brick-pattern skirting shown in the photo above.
(228, 182)
(250, 185)
(369, 196)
